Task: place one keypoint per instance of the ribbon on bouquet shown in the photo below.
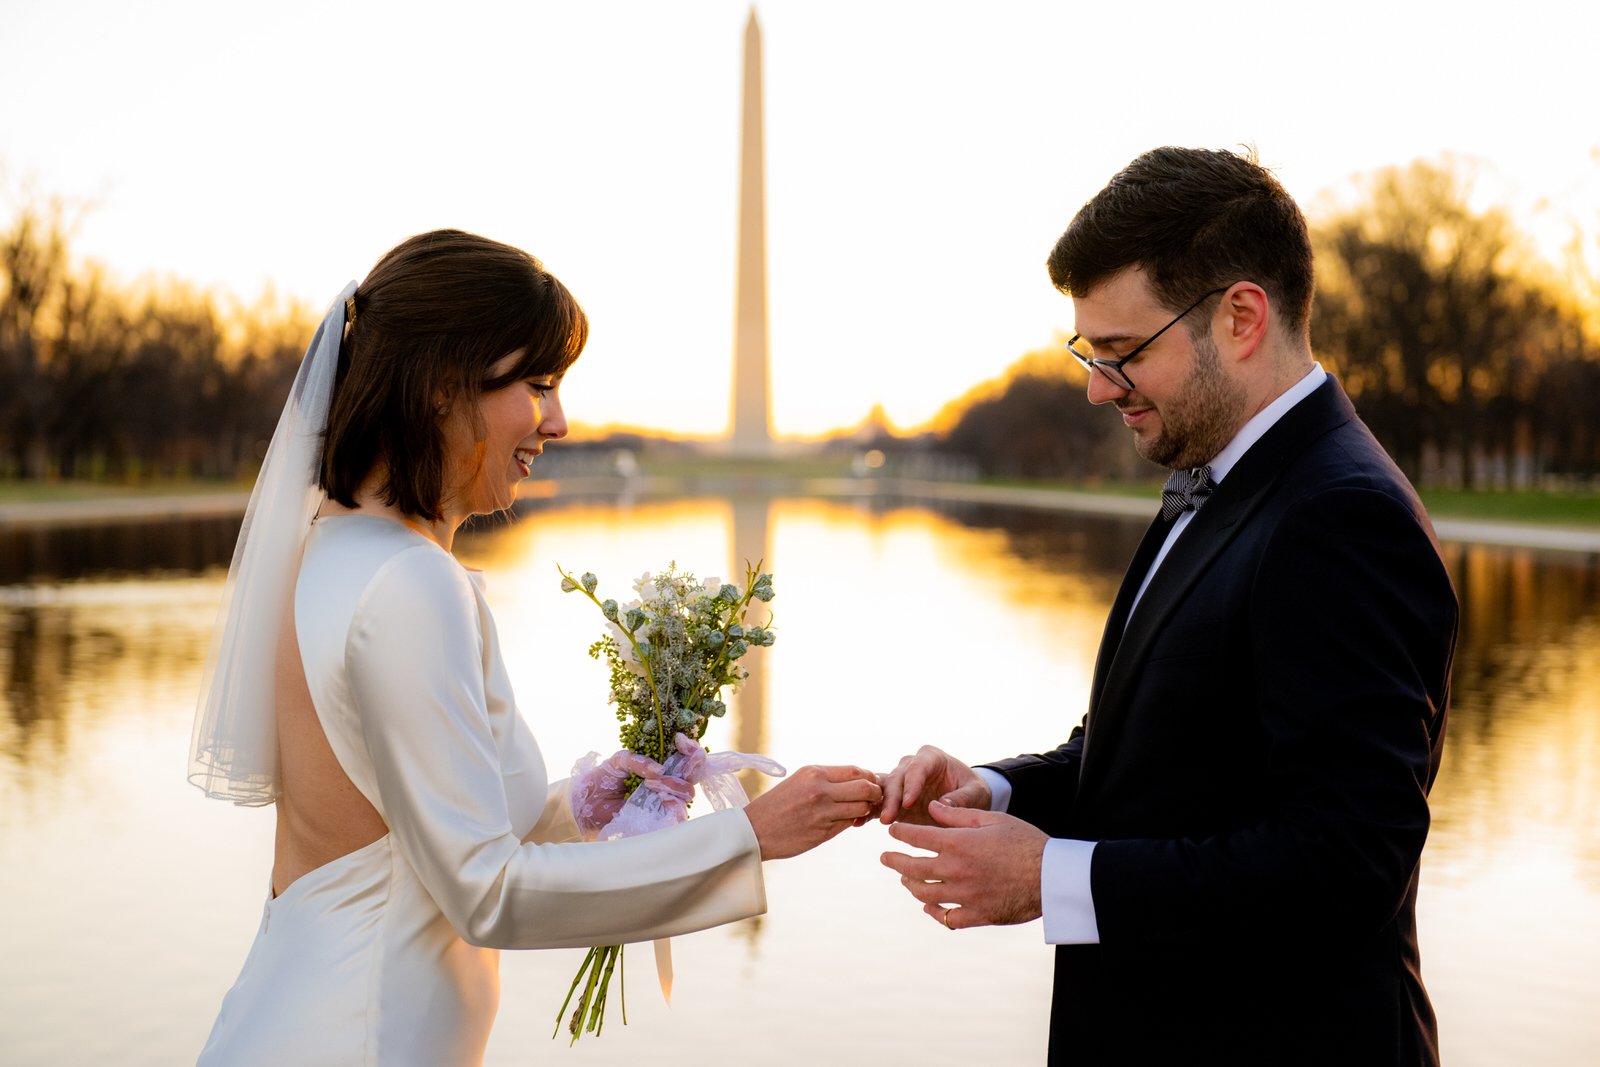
(659, 802)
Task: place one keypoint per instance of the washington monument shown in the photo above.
(752, 399)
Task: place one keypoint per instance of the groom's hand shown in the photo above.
(931, 775)
(985, 871)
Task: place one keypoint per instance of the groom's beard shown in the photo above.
(1200, 419)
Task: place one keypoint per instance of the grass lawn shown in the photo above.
(1552, 508)
(1491, 505)
(13, 491)
(1152, 490)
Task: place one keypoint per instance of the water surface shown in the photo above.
(129, 900)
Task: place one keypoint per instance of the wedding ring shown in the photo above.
(944, 917)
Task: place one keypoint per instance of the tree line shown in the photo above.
(128, 382)
(1474, 363)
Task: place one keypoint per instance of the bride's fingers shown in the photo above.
(856, 789)
(848, 773)
(850, 800)
(855, 800)
(838, 804)
(843, 784)
(811, 806)
(853, 812)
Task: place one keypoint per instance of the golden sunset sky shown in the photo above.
(921, 156)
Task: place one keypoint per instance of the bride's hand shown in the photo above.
(810, 806)
(599, 793)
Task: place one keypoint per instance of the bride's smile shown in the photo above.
(514, 423)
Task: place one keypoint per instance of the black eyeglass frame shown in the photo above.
(1112, 368)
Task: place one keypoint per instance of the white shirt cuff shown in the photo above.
(999, 788)
(1064, 892)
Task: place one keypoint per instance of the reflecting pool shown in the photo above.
(128, 900)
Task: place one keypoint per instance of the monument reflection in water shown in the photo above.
(129, 900)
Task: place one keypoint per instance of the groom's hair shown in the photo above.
(1195, 220)
(435, 314)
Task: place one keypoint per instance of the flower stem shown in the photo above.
(561, 1014)
(597, 1018)
(649, 675)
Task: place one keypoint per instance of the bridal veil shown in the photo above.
(233, 754)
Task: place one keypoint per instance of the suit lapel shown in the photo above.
(1247, 486)
(1117, 621)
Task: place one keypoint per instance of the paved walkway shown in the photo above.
(209, 505)
(113, 509)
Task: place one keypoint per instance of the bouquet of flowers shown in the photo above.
(671, 652)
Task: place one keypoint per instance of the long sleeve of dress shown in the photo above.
(415, 658)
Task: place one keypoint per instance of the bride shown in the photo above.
(356, 682)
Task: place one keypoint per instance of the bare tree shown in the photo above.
(33, 257)
(1433, 315)
(99, 380)
(1034, 422)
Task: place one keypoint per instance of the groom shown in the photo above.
(1225, 850)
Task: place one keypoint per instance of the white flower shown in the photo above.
(625, 650)
(713, 586)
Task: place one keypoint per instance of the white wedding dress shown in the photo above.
(389, 955)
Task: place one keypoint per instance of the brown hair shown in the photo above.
(1194, 219)
(430, 321)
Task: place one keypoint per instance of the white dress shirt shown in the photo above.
(1068, 902)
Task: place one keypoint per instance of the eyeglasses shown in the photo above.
(1112, 368)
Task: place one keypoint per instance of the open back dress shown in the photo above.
(389, 955)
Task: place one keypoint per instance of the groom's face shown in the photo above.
(1184, 406)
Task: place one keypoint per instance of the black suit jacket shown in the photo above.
(1261, 736)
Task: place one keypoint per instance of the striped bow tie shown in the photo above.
(1185, 491)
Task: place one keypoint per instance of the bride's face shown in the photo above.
(517, 421)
